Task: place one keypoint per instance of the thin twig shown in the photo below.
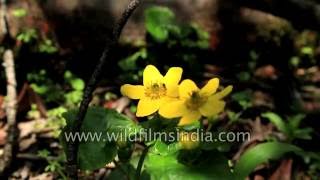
(11, 108)
(3, 12)
(35, 157)
(72, 148)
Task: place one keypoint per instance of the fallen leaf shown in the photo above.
(29, 127)
(258, 177)
(2, 110)
(262, 99)
(283, 172)
(46, 176)
(25, 171)
(3, 136)
(267, 72)
(119, 105)
(259, 132)
(26, 143)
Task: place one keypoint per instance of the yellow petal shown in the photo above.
(172, 110)
(173, 91)
(211, 87)
(151, 75)
(212, 107)
(173, 75)
(223, 93)
(132, 91)
(167, 100)
(172, 79)
(189, 117)
(186, 88)
(147, 107)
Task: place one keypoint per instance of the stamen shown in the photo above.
(195, 101)
(155, 90)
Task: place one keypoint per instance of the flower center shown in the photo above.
(155, 90)
(195, 101)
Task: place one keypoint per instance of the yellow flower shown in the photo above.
(155, 91)
(194, 102)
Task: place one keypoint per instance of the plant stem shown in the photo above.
(64, 177)
(140, 163)
(72, 147)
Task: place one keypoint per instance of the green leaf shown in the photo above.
(307, 50)
(20, 12)
(93, 154)
(166, 166)
(233, 116)
(98, 123)
(73, 97)
(254, 55)
(277, 121)
(123, 172)
(243, 98)
(47, 46)
(27, 35)
(259, 154)
(68, 75)
(244, 76)
(77, 84)
(130, 63)
(122, 125)
(304, 133)
(294, 121)
(39, 89)
(158, 20)
(295, 61)
(203, 37)
(164, 149)
(296, 131)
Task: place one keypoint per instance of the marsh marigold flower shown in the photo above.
(194, 102)
(155, 91)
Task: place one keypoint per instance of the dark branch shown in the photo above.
(72, 149)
